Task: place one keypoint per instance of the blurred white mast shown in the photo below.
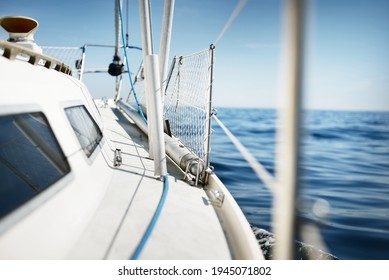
(288, 131)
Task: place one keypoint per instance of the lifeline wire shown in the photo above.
(128, 65)
(258, 168)
(153, 221)
(232, 18)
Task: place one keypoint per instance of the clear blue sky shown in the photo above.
(347, 65)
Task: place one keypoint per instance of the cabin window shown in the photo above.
(30, 159)
(85, 128)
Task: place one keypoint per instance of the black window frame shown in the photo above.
(31, 159)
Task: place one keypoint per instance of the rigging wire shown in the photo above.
(127, 24)
(258, 168)
(234, 15)
(140, 111)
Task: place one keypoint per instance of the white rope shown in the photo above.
(258, 168)
(232, 18)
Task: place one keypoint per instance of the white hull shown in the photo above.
(99, 211)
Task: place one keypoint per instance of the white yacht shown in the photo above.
(131, 178)
(81, 178)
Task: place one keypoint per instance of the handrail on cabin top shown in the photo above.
(12, 51)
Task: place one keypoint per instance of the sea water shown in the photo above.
(344, 162)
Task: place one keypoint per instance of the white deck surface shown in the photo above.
(188, 227)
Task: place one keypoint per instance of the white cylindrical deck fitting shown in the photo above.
(155, 114)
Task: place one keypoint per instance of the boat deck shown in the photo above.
(132, 198)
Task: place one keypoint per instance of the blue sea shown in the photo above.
(344, 161)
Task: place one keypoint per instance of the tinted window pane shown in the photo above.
(86, 130)
(30, 159)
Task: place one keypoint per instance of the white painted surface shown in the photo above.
(99, 211)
